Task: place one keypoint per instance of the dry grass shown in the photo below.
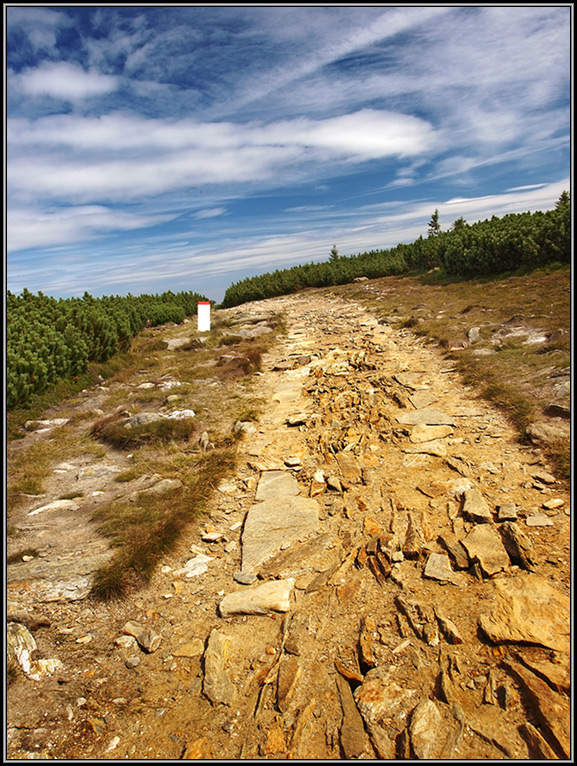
(145, 531)
(15, 558)
(163, 431)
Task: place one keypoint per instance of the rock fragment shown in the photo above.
(217, 686)
(271, 596)
(275, 484)
(438, 567)
(289, 674)
(518, 546)
(528, 609)
(484, 547)
(424, 730)
(273, 525)
(475, 506)
(507, 512)
(147, 638)
(552, 710)
(427, 416)
(353, 736)
(539, 748)
(448, 628)
(384, 705)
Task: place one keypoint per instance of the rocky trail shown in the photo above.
(387, 575)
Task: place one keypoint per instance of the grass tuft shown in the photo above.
(16, 558)
(145, 531)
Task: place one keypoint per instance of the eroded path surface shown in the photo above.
(387, 576)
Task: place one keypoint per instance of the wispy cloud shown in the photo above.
(121, 157)
(214, 212)
(27, 228)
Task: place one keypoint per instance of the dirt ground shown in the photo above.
(377, 656)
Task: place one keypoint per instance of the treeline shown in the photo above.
(48, 339)
(518, 240)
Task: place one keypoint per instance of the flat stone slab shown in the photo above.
(272, 525)
(438, 567)
(436, 447)
(57, 505)
(271, 596)
(275, 484)
(349, 466)
(528, 609)
(429, 416)
(422, 399)
(484, 545)
(538, 520)
(422, 433)
(412, 380)
(475, 506)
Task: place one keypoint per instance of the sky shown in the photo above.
(153, 148)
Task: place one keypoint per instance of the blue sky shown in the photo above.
(187, 147)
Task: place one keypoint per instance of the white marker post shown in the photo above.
(203, 316)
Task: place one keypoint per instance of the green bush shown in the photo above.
(516, 241)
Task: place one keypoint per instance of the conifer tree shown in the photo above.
(434, 225)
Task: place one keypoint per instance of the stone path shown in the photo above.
(387, 576)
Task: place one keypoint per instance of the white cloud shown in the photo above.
(121, 157)
(64, 81)
(210, 213)
(28, 227)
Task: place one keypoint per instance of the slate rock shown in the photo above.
(455, 550)
(541, 475)
(273, 525)
(192, 648)
(56, 505)
(352, 736)
(538, 520)
(539, 748)
(557, 674)
(181, 415)
(217, 686)
(384, 705)
(551, 709)
(274, 484)
(507, 512)
(147, 638)
(289, 674)
(485, 547)
(518, 545)
(528, 609)
(423, 433)
(245, 427)
(438, 567)
(271, 596)
(448, 628)
(422, 399)
(143, 418)
(545, 433)
(412, 380)
(475, 506)
(349, 466)
(426, 721)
